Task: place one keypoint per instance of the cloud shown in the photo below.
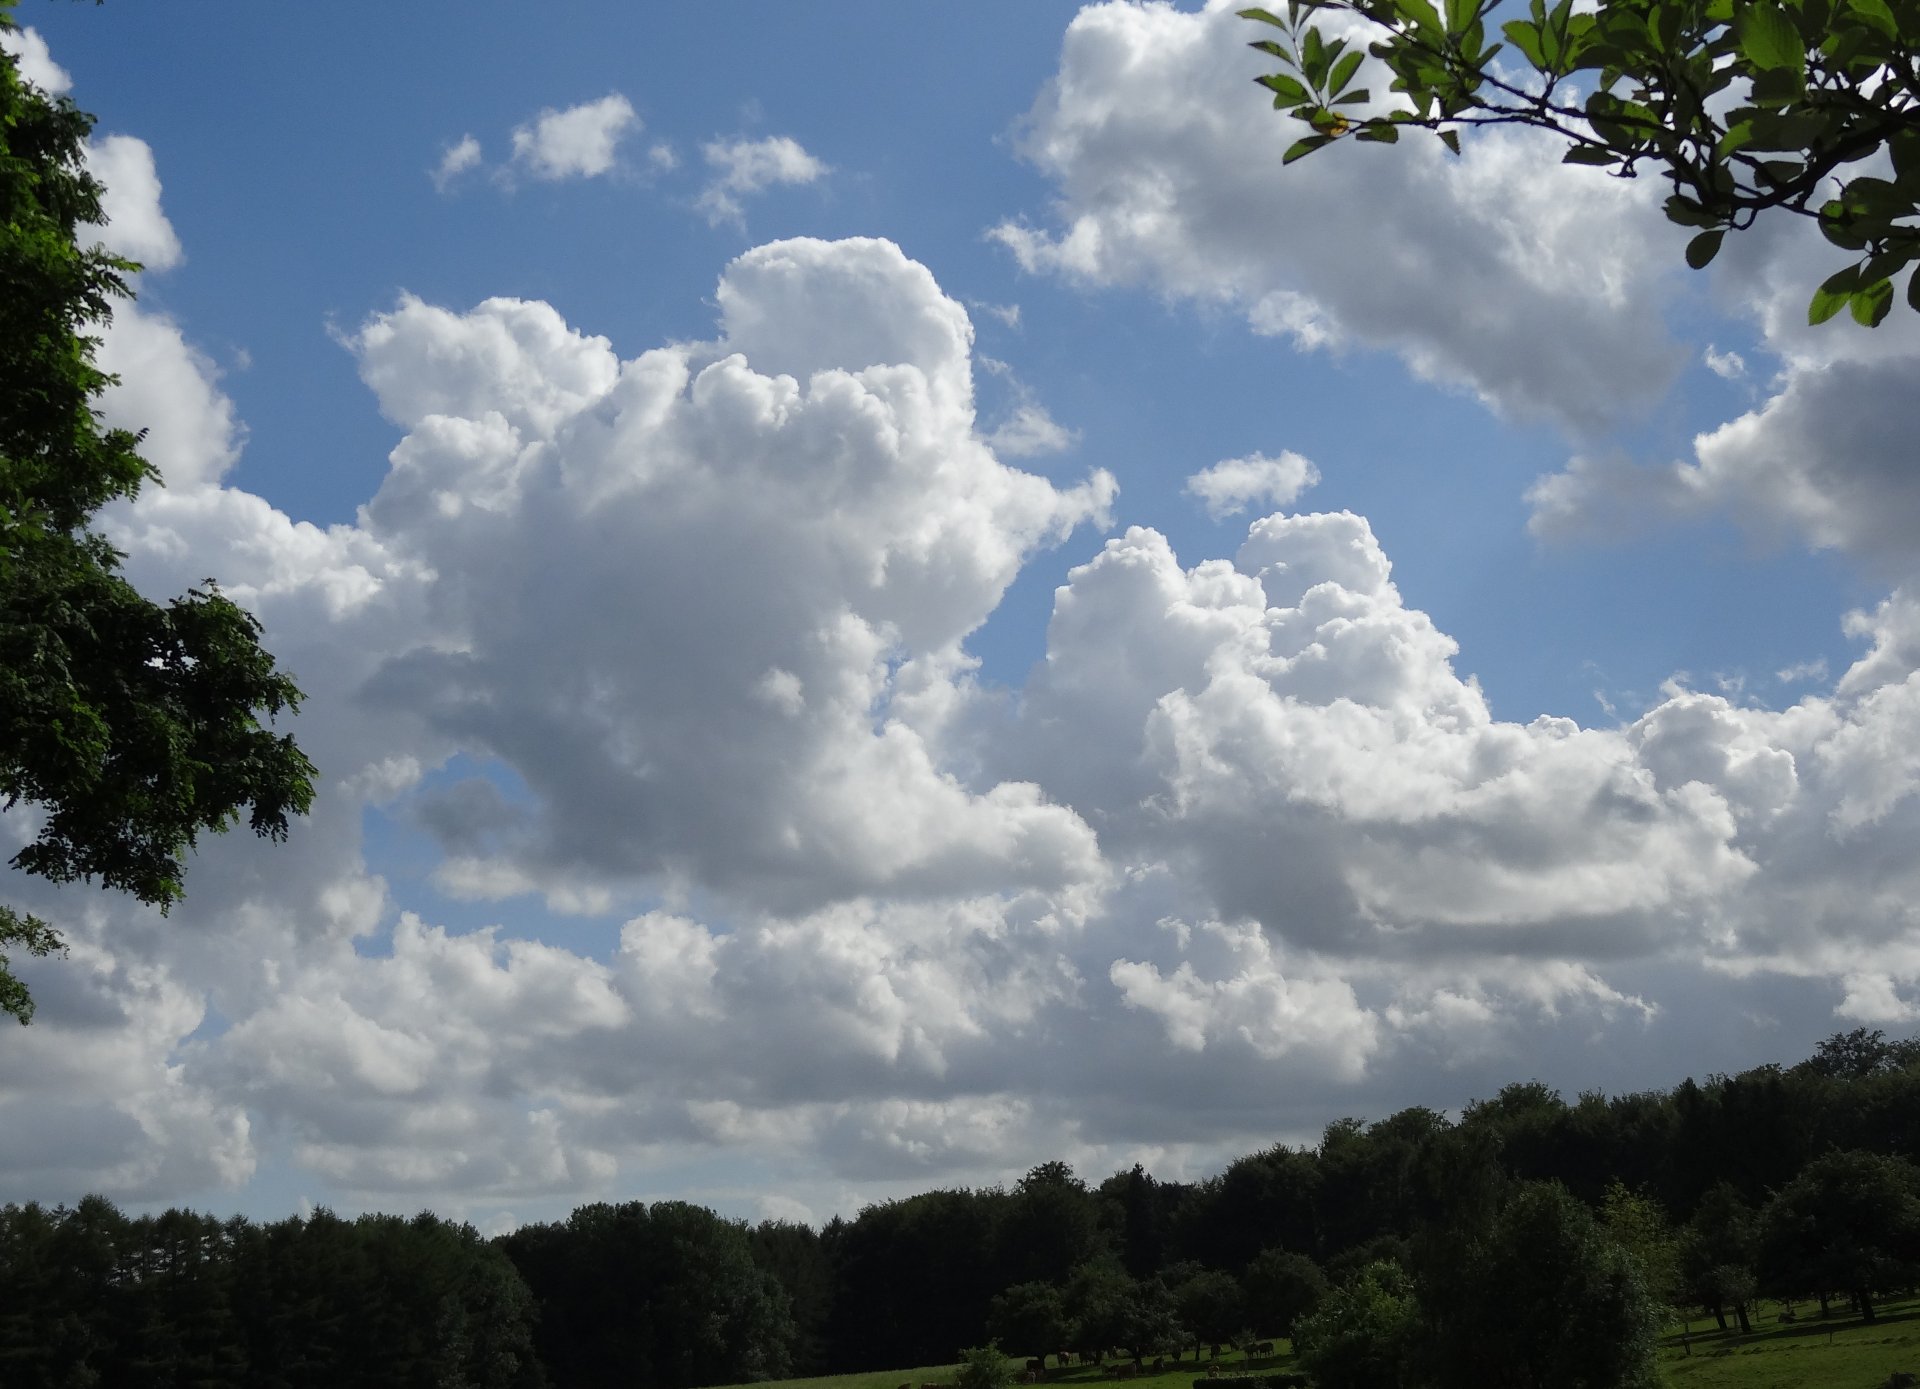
(1728, 366)
(1821, 460)
(1534, 285)
(29, 50)
(1825, 460)
(577, 142)
(456, 159)
(1231, 485)
(679, 638)
(684, 456)
(744, 167)
(135, 227)
(1030, 432)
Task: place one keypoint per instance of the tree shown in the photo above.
(1282, 1288)
(131, 725)
(1210, 1306)
(1745, 106)
(667, 1295)
(984, 1367)
(1849, 1221)
(1359, 1338)
(1031, 1318)
(1639, 1225)
(1048, 1226)
(1545, 1296)
(1717, 1256)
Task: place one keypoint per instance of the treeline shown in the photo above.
(1402, 1236)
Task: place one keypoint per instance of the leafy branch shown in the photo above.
(1745, 106)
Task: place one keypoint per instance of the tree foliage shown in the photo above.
(130, 726)
(666, 1295)
(1362, 1334)
(1745, 106)
(1545, 1296)
(1850, 1222)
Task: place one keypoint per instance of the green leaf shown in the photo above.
(1526, 38)
(1686, 212)
(1264, 16)
(1736, 138)
(1779, 87)
(1381, 134)
(1589, 154)
(1286, 90)
(1871, 302)
(1704, 247)
(1359, 96)
(1768, 38)
(1424, 17)
(1314, 59)
(1344, 70)
(1305, 146)
(1450, 138)
(1834, 294)
(1913, 290)
(1876, 13)
(1837, 226)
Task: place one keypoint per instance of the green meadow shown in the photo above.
(1840, 1352)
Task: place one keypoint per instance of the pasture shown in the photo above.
(1175, 1376)
(1841, 1352)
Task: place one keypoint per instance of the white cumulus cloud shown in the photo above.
(462, 155)
(1230, 486)
(1533, 284)
(742, 168)
(574, 142)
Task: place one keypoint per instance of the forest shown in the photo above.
(1531, 1240)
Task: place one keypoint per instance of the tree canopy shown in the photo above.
(129, 725)
(1803, 106)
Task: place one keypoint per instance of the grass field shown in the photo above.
(1178, 1376)
(1841, 1352)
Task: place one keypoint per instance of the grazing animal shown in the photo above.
(1263, 1348)
(1037, 1363)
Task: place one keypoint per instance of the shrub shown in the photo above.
(984, 1367)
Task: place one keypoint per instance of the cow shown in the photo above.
(1037, 1366)
(1261, 1348)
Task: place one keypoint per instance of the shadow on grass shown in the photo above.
(1803, 1328)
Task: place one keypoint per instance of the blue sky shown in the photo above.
(786, 794)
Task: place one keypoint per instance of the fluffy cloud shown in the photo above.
(30, 51)
(679, 642)
(1230, 486)
(1533, 284)
(742, 168)
(578, 142)
(135, 226)
(455, 160)
(763, 760)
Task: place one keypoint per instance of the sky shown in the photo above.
(885, 597)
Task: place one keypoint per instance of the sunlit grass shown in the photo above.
(1841, 1352)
